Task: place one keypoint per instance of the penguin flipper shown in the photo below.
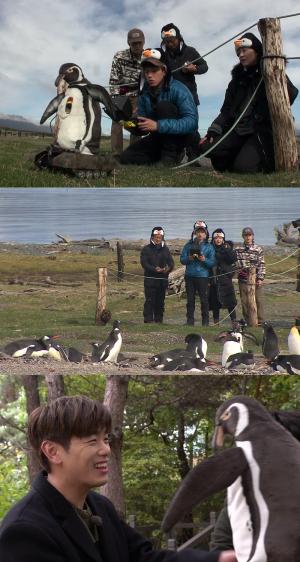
(251, 337)
(208, 477)
(51, 107)
(100, 94)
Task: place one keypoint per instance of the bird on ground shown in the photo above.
(110, 349)
(270, 345)
(30, 347)
(294, 341)
(286, 364)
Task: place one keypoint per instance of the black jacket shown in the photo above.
(224, 290)
(44, 527)
(153, 256)
(257, 119)
(176, 59)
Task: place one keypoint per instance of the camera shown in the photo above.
(195, 252)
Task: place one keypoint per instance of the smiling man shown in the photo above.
(166, 114)
(61, 519)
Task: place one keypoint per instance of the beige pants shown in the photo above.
(258, 299)
(117, 133)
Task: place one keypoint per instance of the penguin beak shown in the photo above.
(58, 79)
(218, 438)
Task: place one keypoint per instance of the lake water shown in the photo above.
(36, 215)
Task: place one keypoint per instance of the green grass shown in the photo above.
(33, 309)
(17, 170)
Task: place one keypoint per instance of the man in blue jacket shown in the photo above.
(198, 255)
(167, 114)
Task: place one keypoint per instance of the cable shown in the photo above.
(224, 136)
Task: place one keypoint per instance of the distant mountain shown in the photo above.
(19, 123)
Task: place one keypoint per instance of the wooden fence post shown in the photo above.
(101, 298)
(285, 144)
(298, 268)
(120, 261)
(251, 300)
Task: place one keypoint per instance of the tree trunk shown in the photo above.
(115, 399)
(31, 386)
(55, 385)
(285, 144)
(251, 300)
(8, 390)
(184, 467)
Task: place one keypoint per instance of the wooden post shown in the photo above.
(101, 298)
(285, 144)
(120, 261)
(298, 268)
(251, 300)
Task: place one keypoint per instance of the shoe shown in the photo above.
(148, 321)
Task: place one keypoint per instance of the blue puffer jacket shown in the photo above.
(178, 94)
(196, 268)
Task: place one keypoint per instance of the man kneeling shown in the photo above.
(167, 114)
(61, 519)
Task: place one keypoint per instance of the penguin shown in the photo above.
(29, 347)
(242, 359)
(286, 364)
(196, 344)
(110, 349)
(78, 127)
(232, 346)
(160, 360)
(239, 333)
(259, 473)
(294, 341)
(270, 346)
(186, 363)
(75, 356)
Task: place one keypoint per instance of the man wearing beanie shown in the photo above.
(249, 147)
(166, 114)
(199, 258)
(179, 57)
(157, 263)
(124, 79)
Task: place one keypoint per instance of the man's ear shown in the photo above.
(52, 451)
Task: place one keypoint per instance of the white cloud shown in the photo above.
(37, 37)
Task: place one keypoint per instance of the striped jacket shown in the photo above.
(125, 69)
(250, 256)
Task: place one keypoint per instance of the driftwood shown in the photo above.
(287, 234)
(176, 281)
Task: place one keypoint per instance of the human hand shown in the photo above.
(189, 68)
(206, 139)
(147, 125)
(201, 257)
(227, 556)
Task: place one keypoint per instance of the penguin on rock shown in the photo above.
(78, 124)
(262, 476)
(110, 349)
(270, 345)
(29, 347)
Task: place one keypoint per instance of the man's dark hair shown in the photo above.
(64, 418)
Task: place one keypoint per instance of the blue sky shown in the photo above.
(38, 36)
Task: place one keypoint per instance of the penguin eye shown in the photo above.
(226, 415)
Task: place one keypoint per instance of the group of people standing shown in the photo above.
(210, 265)
(162, 88)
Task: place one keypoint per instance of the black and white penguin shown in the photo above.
(197, 345)
(110, 349)
(242, 359)
(270, 345)
(160, 360)
(264, 514)
(186, 363)
(294, 341)
(78, 126)
(29, 347)
(286, 364)
(231, 346)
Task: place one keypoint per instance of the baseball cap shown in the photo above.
(135, 35)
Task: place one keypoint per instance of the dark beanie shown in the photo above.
(256, 43)
(218, 231)
(157, 228)
(171, 26)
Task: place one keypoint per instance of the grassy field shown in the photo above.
(56, 294)
(17, 170)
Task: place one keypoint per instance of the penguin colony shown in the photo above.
(264, 515)
(191, 358)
